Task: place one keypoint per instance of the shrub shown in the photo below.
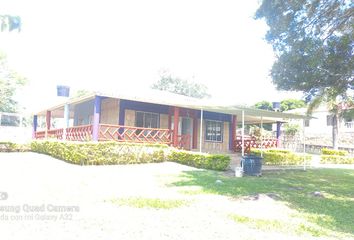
(327, 151)
(200, 160)
(13, 147)
(106, 153)
(102, 153)
(281, 157)
(335, 159)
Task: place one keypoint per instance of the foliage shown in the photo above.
(313, 41)
(337, 159)
(290, 104)
(331, 213)
(281, 157)
(81, 93)
(106, 153)
(102, 153)
(265, 105)
(154, 203)
(327, 151)
(9, 82)
(10, 23)
(182, 87)
(200, 160)
(13, 147)
(291, 129)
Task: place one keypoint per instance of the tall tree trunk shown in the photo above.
(335, 131)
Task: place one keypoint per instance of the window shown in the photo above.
(147, 120)
(214, 131)
(329, 120)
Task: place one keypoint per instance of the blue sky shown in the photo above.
(126, 44)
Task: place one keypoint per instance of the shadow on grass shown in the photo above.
(334, 210)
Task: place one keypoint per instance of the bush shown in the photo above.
(13, 147)
(106, 153)
(327, 151)
(281, 157)
(102, 153)
(335, 159)
(200, 160)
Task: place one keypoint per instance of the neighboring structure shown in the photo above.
(155, 116)
(13, 128)
(322, 121)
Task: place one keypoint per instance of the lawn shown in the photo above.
(329, 211)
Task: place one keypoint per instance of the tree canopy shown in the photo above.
(9, 82)
(314, 42)
(180, 86)
(285, 105)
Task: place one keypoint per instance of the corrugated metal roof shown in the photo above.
(252, 115)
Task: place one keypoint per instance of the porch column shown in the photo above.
(47, 122)
(170, 118)
(195, 131)
(35, 124)
(175, 126)
(232, 137)
(96, 118)
(201, 131)
(261, 136)
(47, 119)
(66, 119)
(243, 133)
(304, 142)
(278, 133)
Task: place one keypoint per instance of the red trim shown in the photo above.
(175, 126)
(195, 130)
(47, 119)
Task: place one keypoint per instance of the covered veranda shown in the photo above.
(94, 130)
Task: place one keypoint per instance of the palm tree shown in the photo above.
(337, 106)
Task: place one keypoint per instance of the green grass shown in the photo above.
(279, 226)
(333, 212)
(154, 203)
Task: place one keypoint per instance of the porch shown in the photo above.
(109, 132)
(173, 120)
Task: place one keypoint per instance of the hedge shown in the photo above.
(13, 147)
(281, 157)
(102, 153)
(200, 160)
(105, 153)
(327, 151)
(335, 159)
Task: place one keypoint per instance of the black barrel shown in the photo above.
(252, 165)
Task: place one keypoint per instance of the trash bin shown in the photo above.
(252, 165)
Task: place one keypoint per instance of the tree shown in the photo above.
(313, 43)
(9, 82)
(290, 104)
(265, 105)
(179, 86)
(10, 23)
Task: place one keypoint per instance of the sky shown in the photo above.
(108, 45)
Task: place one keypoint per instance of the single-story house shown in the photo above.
(156, 117)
